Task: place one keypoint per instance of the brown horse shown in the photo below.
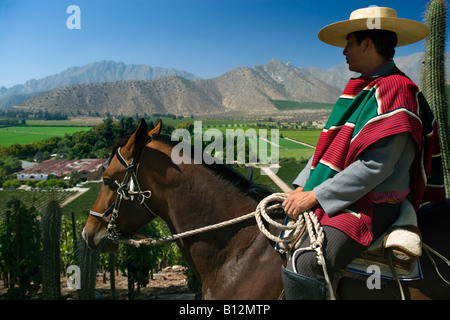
(234, 262)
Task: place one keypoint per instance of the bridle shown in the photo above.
(127, 190)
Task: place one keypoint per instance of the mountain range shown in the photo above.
(103, 71)
(116, 88)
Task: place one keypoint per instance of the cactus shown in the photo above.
(433, 78)
(88, 263)
(51, 231)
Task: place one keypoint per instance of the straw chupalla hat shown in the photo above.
(382, 18)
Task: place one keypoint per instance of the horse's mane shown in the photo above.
(227, 173)
(118, 145)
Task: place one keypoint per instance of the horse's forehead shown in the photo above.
(114, 168)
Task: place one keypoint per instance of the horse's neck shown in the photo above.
(203, 198)
(204, 201)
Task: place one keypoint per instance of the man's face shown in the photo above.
(354, 53)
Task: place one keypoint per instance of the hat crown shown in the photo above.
(373, 12)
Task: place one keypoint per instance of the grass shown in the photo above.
(8, 138)
(29, 134)
(286, 149)
(284, 105)
(258, 178)
(85, 201)
(298, 154)
(310, 136)
(56, 123)
(290, 169)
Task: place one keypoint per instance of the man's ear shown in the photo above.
(368, 44)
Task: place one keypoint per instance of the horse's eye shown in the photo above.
(108, 182)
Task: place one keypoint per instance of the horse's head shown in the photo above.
(121, 193)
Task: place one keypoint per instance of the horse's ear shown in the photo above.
(141, 130)
(137, 139)
(156, 129)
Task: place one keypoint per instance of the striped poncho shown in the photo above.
(368, 110)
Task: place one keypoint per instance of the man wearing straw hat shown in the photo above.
(374, 153)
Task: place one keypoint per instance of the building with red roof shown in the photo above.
(89, 169)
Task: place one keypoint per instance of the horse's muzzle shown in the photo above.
(99, 240)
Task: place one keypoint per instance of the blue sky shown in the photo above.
(204, 37)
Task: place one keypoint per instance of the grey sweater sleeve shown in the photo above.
(383, 166)
(303, 177)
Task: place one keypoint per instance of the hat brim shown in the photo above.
(408, 31)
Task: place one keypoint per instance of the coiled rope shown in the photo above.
(317, 238)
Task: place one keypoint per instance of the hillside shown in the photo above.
(241, 89)
(166, 95)
(102, 71)
(119, 89)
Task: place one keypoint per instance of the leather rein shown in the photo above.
(126, 190)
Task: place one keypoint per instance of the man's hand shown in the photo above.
(299, 201)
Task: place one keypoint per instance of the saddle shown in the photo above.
(396, 252)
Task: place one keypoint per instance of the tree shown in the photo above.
(189, 126)
(81, 150)
(10, 164)
(11, 184)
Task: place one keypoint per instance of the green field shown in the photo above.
(284, 105)
(29, 134)
(310, 136)
(302, 148)
(85, 201)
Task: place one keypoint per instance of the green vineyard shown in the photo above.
(34, 198)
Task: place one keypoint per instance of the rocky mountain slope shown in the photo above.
(102, 71)
(241, 89)
(118, 89)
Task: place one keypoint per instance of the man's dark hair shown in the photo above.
(384, 41)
